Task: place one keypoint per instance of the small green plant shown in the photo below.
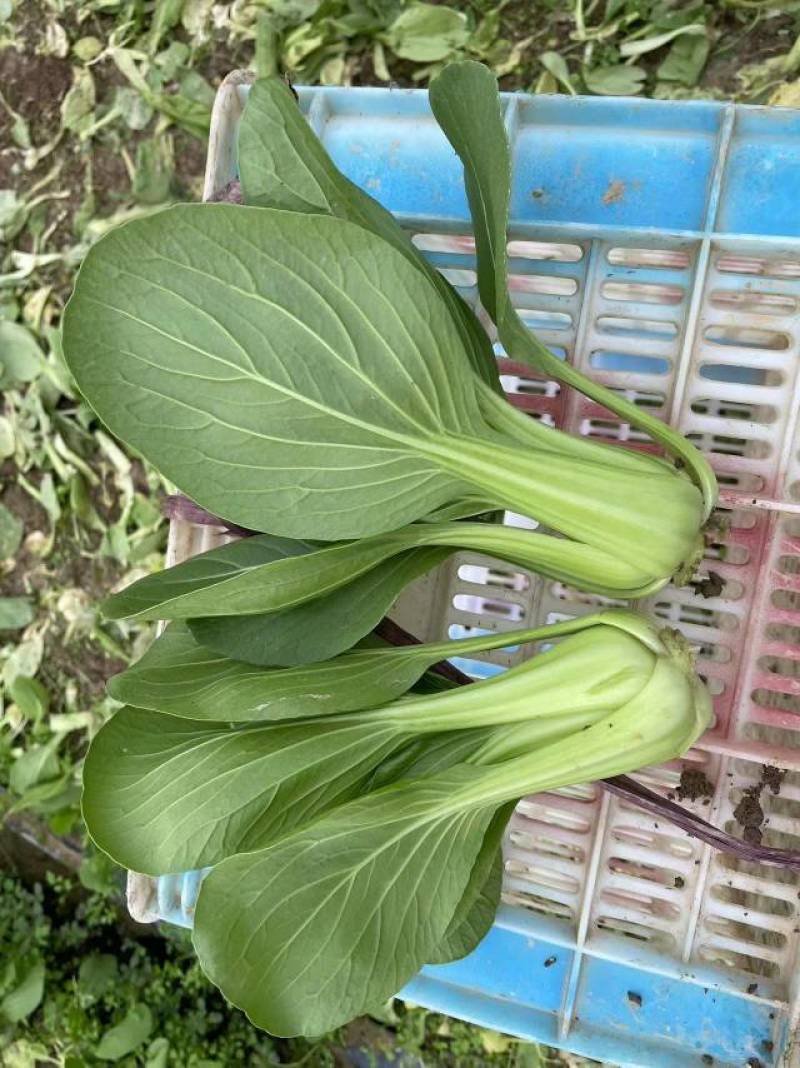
(76, 990)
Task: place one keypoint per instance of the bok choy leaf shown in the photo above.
(249, 577)
(466, 103)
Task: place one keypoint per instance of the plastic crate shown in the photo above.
(657, 246)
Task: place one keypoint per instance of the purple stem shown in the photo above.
(176, 506)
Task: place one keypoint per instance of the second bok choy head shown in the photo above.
(333, 806)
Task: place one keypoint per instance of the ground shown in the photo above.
(104, 107)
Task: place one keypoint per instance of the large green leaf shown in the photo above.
(476, 911)
(247, 578)
(225, 341)
(322, 628)
(181, 677)
(313, 930)
(466, 103)
(162, 794)
(284, 165)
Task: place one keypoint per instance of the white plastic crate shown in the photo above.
(653, 246)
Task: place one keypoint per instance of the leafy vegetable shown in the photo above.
(163, 794)
(180, 677)
(359, 444)
(362, 816)
(310, 930)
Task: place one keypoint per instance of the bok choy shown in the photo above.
(297, 374)
(362, 823)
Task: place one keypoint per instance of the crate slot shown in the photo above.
(752, 934)
(460, 244)
(650, 873)
(629, 902)
(544, 284)
(785, 666)
(751, 448)
(672, 259)
(637, 329)
(741, 375)
(547, 847)
(461, 277)
(493, 577)
(756, 265)
(541, 320)
(643, 292)
(481, 606)
(545, 250)
(726, 957)
(743, 902)
(612, 430)
(629, 363)
(697, 615)
(529, 387)
(533, 903)
(784, 632)
(741, 481)
(654, 840)
(753, 302)
(528, 871)
(639, 932)
(747, 337)
(786, 599)
(554, 817)
(730, 409)
(730, 553)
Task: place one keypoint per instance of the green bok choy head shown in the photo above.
(330, 831)
(298, 374)
(337, 915)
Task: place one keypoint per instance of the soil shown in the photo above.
(694, 785)
(773, 777)
(65, 567)
(749, 813)
(711, 586)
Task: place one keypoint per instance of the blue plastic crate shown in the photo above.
(657, 246)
